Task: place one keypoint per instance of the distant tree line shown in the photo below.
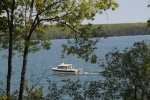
(126, 29)
(122, 29)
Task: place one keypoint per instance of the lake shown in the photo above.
(41, 62)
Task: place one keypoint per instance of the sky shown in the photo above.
(129, 11)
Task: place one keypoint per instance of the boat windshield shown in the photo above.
(62, 67)
(65, 67)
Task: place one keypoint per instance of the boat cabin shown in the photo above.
(65, 66)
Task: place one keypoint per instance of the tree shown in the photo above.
(148, 22)
(28, 17)
(68, 13)
(9, 7)
(127, 73)
(75, 90)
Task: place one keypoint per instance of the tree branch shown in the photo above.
(51, 19)
(48, 7)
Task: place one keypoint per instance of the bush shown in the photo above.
(127, 73)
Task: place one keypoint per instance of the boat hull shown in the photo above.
(58, 71)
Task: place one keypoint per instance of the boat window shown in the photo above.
(61, 67)
(70, 67)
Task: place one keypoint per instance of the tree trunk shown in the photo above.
(10, 18)
(23, 73)
(10, 25)
(26, 49)
(9, 66)
(9, 59)
(142, 94)
(135, 91)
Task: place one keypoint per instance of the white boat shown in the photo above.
(66, 69)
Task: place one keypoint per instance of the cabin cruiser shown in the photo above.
(66, 69)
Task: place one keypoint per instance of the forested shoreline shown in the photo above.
(121, 29)
(126, 29)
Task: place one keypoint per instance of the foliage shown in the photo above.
(69, 89)
(2, 91)
(126, 29)
(54, 92)
(148, 23)
(35, 94)
(27, 17)
(126, 76)
(75, 90)
(84, 44)
(127, 73)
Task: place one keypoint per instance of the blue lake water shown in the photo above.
(41, 62)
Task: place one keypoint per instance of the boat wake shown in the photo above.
(80, 71)
(90, 73)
